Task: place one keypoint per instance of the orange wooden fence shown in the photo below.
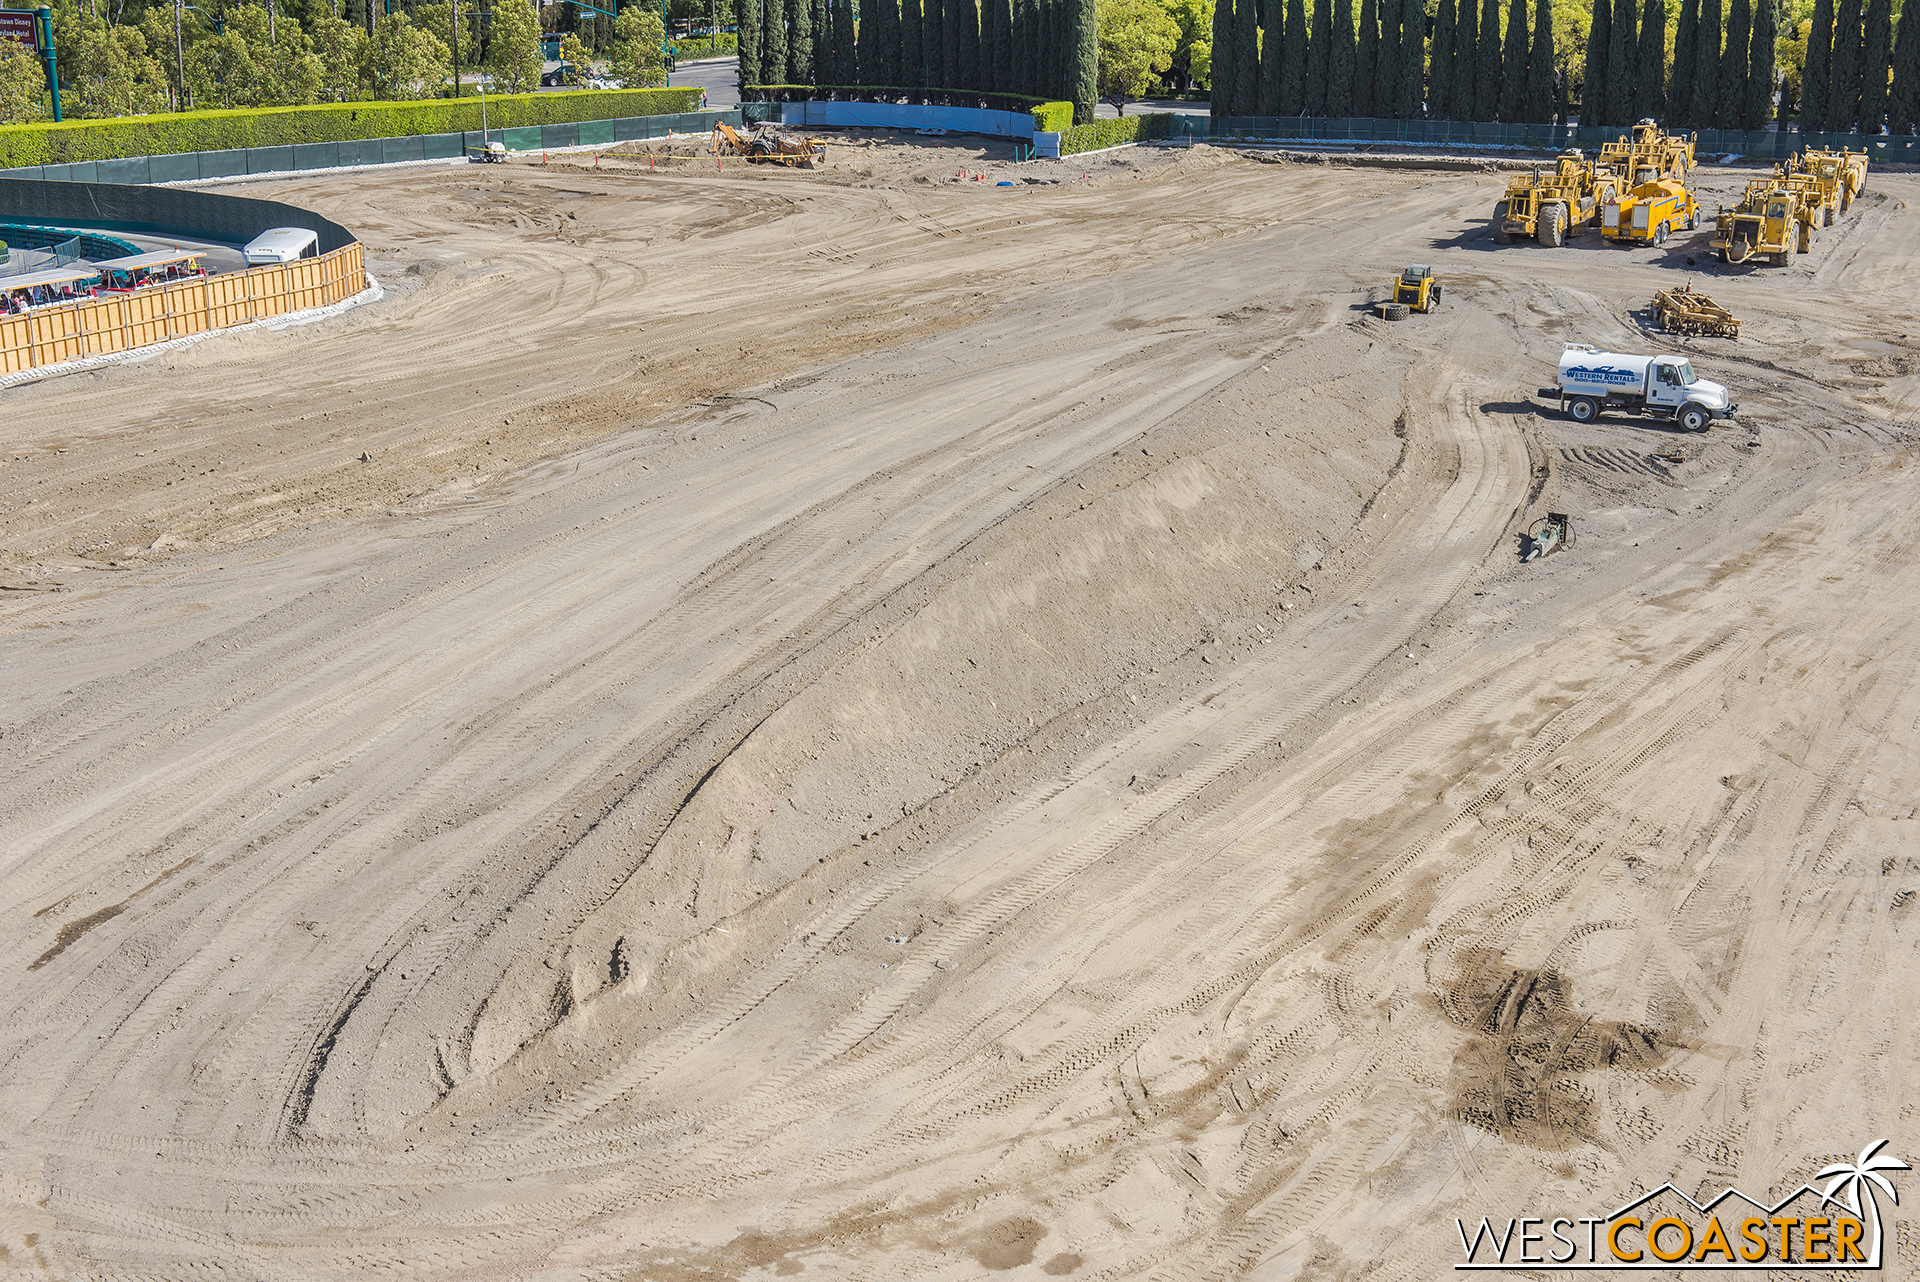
(121, 322)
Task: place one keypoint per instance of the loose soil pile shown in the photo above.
(873, 723)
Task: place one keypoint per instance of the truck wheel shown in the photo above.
(1500, 236)
(1584, 409)
(1553, 226)
(1694, 418)
(1660, 236)
(1393, 311)
(1777, 260)
(1693, 219)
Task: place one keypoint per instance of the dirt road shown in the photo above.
(894, 728)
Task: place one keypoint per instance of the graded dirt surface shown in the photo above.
(856, 727)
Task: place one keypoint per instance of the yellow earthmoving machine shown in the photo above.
(1415, 289)
(1649, 213)
(1648, 154)
(1821, 195)
(767, 146)
(1842, 173)
(1773, 218)
(1551, 207)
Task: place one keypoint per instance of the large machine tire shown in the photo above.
(1846, 199)
(1500, 236)
(1583, 409)
(1660, 236)
(1694, 417)
(1777, 260)
(1553, 227)
(1826, 216)
(1693, 219)
(1393, 311)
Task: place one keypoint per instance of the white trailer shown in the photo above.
(1592, 380)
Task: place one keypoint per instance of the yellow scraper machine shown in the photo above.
(1773, 219)
(1656, 170)
(1842, 173)
(1553, 206)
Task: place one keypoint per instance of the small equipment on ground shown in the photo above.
(1414, 289)
(281, 245)
(767, 145)
(1686, 310)
(1550, 534)
(492, 153)
(1551, 207)
(1591, 380)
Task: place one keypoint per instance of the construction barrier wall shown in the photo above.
(195, 165)
(1758, 145)
(122, 322)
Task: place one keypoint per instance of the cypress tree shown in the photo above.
(1876, 60)
(1513, 74)
(822, 53)
(1386, 102)
(1650, 80)
(932, 41)
(1686, 43)
(1273, 46)
(773, 43)
(1733, 65)
(890, 69)
(1319, 57)
(1440, 73)
(1366, 62)
(799, 42)
(1293, 58)
(1026, 49)
(1487, 77)
(1086, 59)
(1758, 108)
(1002, 77)
(1593, 90)
(1258, 91)
(1706, 65)
(1843, 101)
(1340, 61)
(1466, 52)
(1224, 51)
(749, 42)
(969, 72)
(1538, 108)
(950, 39)
(1413, 53)
(1816, 78)
(1621, 48)
(1903, 103)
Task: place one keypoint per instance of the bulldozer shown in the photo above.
(768, 146)
(1551, 207)
(1773, 218)
(1649, 155)
(1840, 173)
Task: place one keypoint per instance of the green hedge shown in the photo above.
(1097, 134)
(1053, 118)
(171, 134)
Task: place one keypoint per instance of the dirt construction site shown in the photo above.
(869, 723)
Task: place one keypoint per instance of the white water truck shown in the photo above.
(1591, 380)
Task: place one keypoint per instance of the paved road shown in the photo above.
(720, 77)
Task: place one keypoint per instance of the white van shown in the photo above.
(281, 245)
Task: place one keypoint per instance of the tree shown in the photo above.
(23, 85)
(1875, 63)
(576, 60)
(409, 62)
(341, 48)
(1263, 52)
(1440, 75)
(1757, 108)
(933, 43)
(1706, 65)
(437, 17)
(799, 42)
(1410, 93)
(110, 73)
(1593, 91)
(1686, 45)
(773, 42)
(1903, 103)
(996, 34)
(1622, 45)
(513, 55)
(748, 43)
(1084, 79)
(1466, 52)
(1293, 57)
(1733, 65)
(1650, 74)
(1319, 51)
(967, 69)
(1224, 54)
(1366, 63)
(913, 58)
(1487, 77)
(1136, 42)
(1536, 97)
(1816, 77)
(634, 58)
(1340, 61)
(1843, 100)
(1513, 59)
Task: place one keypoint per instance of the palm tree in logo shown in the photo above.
(1854, 1176)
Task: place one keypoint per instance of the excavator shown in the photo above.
(765, 146)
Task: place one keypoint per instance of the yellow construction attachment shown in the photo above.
(1687, 311)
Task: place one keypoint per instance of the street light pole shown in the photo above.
(47, 56)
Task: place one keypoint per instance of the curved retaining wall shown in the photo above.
(159, 211)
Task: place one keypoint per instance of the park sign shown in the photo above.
(22, 25)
